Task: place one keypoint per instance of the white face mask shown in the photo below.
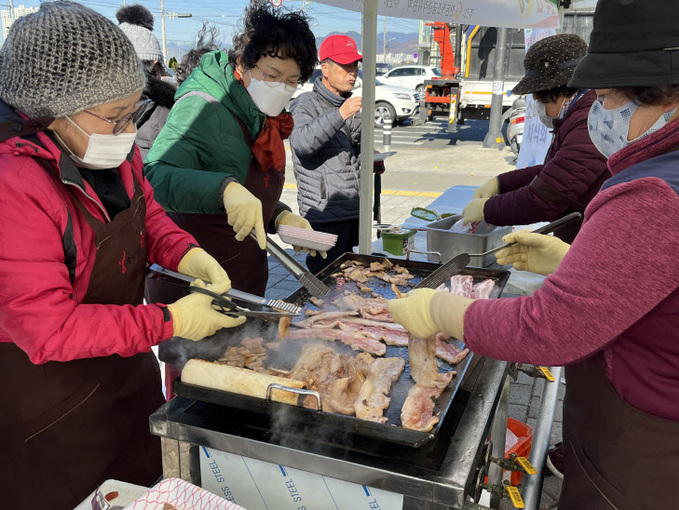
(540, 110)
(103, 151)
(271, 97)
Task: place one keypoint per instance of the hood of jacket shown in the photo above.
(215, 77)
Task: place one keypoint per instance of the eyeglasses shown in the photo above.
(272, 81)
(124, 121)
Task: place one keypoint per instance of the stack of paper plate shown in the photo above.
(304, 238)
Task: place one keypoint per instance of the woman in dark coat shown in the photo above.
(573, 171)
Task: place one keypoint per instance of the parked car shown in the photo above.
(410, 77)
(382, 68)
(395, 103)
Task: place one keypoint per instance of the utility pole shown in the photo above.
(494, 138)
(384, 39)
(11, 12)
(162, 26)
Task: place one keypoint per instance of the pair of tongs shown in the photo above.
(223, 304)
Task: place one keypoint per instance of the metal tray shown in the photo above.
(324, 422)
(449, 244)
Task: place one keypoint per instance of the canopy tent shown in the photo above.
(493, 13)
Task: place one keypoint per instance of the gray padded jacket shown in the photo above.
(325, 153)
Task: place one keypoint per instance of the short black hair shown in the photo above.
(275, 32)
(206, 43)
(653, 96)
(552, 95)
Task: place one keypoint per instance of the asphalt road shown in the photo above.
(433, 135)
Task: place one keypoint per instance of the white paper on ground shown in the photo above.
(259, 485)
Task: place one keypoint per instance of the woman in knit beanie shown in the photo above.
(79, 226)
(136, 21)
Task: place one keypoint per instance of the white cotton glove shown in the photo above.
(294, 220)
(488, 189)
(537, 253)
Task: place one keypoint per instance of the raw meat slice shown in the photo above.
(483, 289)
(462, 285)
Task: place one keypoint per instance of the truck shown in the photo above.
(467, 61)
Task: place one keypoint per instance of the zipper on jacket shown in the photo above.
(101, 207)
(20, 144)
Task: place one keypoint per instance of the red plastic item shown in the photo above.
(522, 447)
(524, 434)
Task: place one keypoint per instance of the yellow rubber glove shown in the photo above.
(488, 189)
(537, 253)
(194, 318)
(294, 220)
(244, 213)
(413, 312)
(473, 211)
(200, 264)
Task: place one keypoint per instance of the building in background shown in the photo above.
(17, 12)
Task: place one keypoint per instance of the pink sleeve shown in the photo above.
(620, 266)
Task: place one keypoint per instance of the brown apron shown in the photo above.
(71, 425)
(617, 457)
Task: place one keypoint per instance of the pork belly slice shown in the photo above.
(378, 312)
(462, 285)
(352, 339)
(422, 357)
(483, 289)
(372, 400)
(449, 352)
(337, 377)
(417, 412)
(323, 316)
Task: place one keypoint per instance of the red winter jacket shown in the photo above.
(572, 174)
(47, 253)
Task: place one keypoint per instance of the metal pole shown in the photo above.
(369, 39)
(384, 39)
(494, 138)
(162, 26)
(543, 429)
(11, 12)
(498, 435)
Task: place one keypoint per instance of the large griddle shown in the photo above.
(349, 430)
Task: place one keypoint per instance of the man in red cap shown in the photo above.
(325, 145)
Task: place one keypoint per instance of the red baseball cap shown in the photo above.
(340, 49)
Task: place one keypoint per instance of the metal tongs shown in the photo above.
(223, 303)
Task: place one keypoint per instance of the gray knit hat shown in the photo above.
(137, 23)
(145, 43)
(66, 58)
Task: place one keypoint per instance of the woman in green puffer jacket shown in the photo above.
(218, 164)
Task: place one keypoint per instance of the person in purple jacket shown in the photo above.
(609, 309)
(573, 170)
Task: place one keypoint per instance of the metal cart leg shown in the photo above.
(498, 435)
(543, 429)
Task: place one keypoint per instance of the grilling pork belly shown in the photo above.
(372, 399)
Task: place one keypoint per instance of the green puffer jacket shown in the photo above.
(201, 144)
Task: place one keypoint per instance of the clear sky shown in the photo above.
(225, 14)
